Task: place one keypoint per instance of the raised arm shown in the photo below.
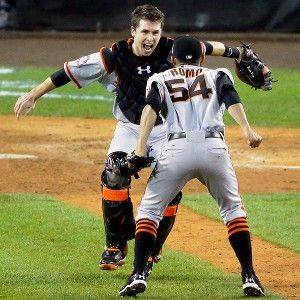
(220, 49)
(249, 67)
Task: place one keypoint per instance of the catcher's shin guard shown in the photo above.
(118, 217)
(119, 227)
(165, 226)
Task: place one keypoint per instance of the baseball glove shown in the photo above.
(136, 163)
(251, 70)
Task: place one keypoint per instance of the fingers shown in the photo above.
(17, 108)
(24, 102)
(255, 141)
(265, 70)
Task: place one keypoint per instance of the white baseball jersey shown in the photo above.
(189, 95)
(191, 109)
(91, 68)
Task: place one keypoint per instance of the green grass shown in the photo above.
(277, 108)
(274, 217)
(49, 250)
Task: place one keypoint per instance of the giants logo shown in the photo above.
(141, 70)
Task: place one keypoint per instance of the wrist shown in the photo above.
(232, 52)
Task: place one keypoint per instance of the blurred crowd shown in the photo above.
(7, 13)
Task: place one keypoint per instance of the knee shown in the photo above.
(176, 199)
(115, 176)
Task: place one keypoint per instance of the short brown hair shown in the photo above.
(147, 12)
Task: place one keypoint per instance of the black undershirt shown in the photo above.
(60, 78)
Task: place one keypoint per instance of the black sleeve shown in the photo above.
(232, 52)
(60, 78)
(226, 91)
(209, 48)
(153, 98)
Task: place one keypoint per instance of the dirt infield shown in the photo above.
(70, 153)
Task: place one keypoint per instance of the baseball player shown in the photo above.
(124, 68)
(191, 100)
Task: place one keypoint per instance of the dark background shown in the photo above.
(181, 15)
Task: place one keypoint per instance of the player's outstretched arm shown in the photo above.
(238, 114)
(220, 49)
(249, 68)
(27, 101)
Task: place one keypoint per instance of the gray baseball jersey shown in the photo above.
(196, 148)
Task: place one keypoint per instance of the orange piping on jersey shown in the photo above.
(115, 195)
(238, 230)
(170, 211)
(71, 76)
(104, 61)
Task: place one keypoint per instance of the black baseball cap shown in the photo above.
(187, 48)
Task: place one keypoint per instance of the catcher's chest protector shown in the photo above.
(133, 73)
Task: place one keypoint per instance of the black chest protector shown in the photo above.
(133, 73)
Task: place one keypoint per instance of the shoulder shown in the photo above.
(164, 47)
(156, 77)
(122, 45)
(223, 72)
(108, 59)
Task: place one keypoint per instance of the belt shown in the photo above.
(208, 134)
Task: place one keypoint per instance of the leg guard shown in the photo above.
(165, 226)
(116, 204)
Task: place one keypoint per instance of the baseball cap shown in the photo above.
(187, 48)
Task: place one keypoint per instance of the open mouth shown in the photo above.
(147, 46)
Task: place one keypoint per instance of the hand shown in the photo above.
(251, 70)
(267, 78)
(25, 102)
(136, 162)
(254, 139)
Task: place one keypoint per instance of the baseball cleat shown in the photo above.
(252, 286)
(111, 259)
(149, 266)
(135, 284)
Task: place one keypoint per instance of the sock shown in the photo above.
(164, 228)
(145, 236)
(240, 241)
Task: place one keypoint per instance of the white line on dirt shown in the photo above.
(255, 166)
(17, 156)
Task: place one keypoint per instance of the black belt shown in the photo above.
(208, 134)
